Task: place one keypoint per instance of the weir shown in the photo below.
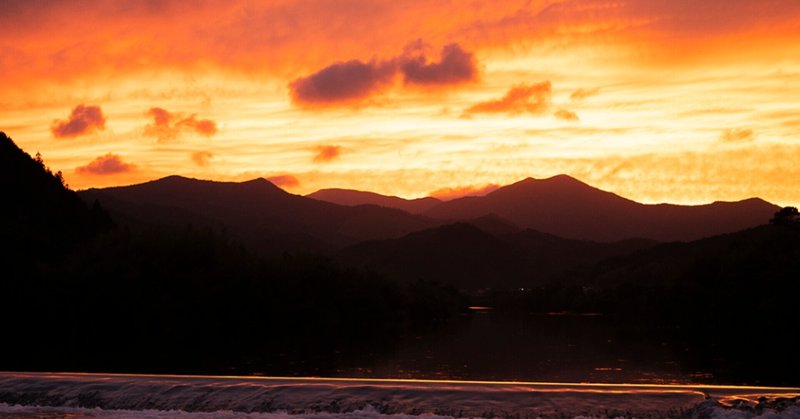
(98, 394)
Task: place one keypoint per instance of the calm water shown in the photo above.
(521, 366)
(536, 347)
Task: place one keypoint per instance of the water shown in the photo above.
(71, 395)
(538, 347)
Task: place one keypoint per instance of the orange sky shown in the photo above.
(661, 101)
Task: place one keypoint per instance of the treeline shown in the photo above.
(80, 293)
(729, 301)
(192, 302)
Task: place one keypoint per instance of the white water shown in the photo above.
(64, 395)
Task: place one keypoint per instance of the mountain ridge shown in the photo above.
(560, 205)
(471, 257)
(352, 197)
(570, 208)
(258, 212)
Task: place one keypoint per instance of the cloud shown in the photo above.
(354, 82)
(341, 83)
(266, 36)
(455, 66)
(737, 135)
(168, 126)
(447, 194)
(566, 115)
(105, 165)
(533, 98)
(82, 120)
(205, 127)
(582, 94)
(201, 158)
(284, 181)
(326, 153)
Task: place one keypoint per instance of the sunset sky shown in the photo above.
(680, 101)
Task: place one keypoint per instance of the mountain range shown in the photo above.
(561, 206)
(352, 197)
(82, 274)
(521, 234)
(257, 212)
(566, 207)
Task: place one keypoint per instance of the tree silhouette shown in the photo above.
(787, 216)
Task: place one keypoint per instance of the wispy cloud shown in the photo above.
(737, 135)
(520, 99)
(566, 115)
(326, 153)
(284, 181)
(446, 194)
(108, 164)
(168, 126)
(202, 158)
(582, 93)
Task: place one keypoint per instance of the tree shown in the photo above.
(787, 216)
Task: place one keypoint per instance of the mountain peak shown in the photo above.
(567, 207)
(557, 180)
(183, 180)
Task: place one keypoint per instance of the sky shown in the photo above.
(678, 101)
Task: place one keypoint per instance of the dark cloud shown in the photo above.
(327, 153)
(201, 158)
(566, 115)
(342, 83)
(168, 126)
(582, 94)
(455, 66)
(82, 120)
(446, 194)
(105, 165)
(737, 135)
(284, 181)
(354, 82)
(533, 98)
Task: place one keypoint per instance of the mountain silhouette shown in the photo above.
(259, 213)
(352, 197)
(40, 215)
(569, 208)
(470, 258)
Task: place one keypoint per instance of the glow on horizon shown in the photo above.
(681, 102)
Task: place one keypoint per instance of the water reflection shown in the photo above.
(489, 345)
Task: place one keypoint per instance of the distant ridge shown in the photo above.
(469, 257)
(267, 217)
(256, 211)
(567, 207)
(352, 197)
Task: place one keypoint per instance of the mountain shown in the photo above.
(468, 257)
(351, 197)
(163, 297)
(257, 212)
(569, 208)
(40, 215)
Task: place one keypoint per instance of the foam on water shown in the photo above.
(77, 396)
